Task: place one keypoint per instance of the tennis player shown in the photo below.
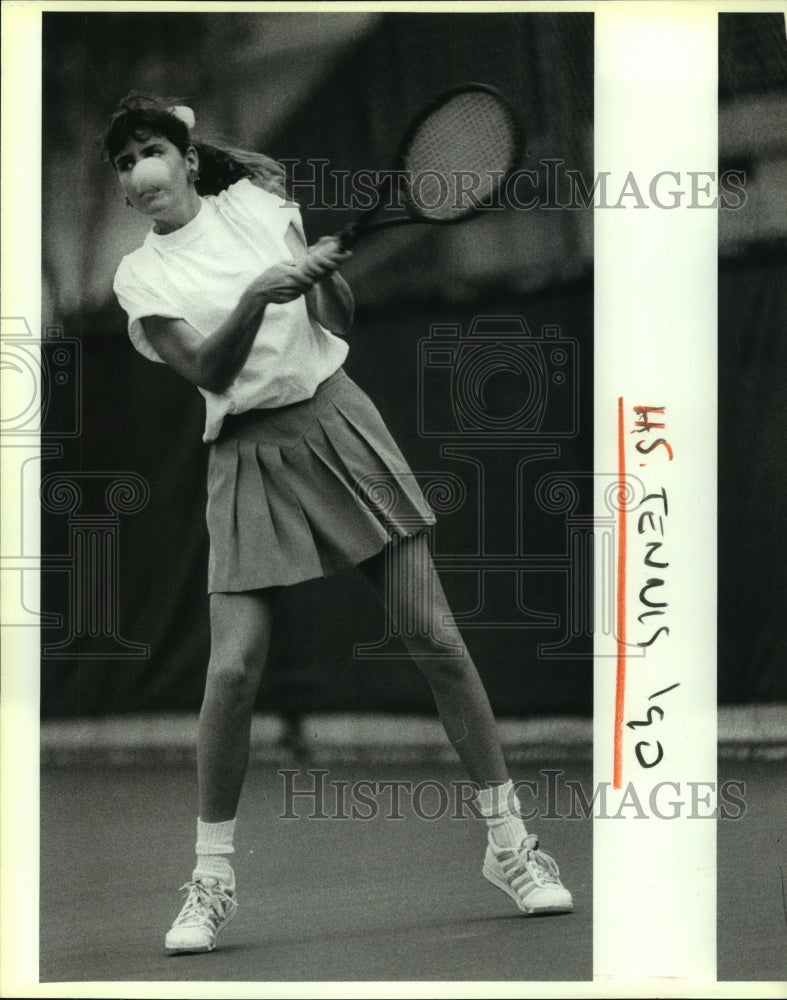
(226, 292)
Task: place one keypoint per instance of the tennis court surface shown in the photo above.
(351, 899)
(751, 922)
(320, 899)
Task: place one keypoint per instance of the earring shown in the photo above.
(193, 175)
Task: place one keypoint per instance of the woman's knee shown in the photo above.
(233, 677)
(240, 633)
(428, 629)
(441, 659)
(245, 617)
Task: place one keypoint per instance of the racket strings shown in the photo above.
(459, 156)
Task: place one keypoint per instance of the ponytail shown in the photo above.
(220, 166)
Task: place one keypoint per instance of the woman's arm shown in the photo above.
(329, 300)
(213, 362)
(331, 303)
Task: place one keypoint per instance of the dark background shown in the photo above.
(340, 87)
(752, 438)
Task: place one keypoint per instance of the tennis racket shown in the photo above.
(454, 158)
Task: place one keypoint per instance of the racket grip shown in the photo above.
(348, 236)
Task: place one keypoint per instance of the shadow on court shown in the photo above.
(383, 898)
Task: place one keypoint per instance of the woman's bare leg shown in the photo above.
(240, 636)
(404, 578)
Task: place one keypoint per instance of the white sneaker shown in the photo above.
(208, 909)
(528, 876)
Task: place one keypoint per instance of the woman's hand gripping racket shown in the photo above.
(453, 160)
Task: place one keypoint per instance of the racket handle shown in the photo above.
(348, 236)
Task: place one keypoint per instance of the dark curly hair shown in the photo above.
(139, 116)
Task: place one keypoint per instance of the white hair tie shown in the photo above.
(186, 115)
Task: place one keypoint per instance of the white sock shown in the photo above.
(500, 807)
(214, 844)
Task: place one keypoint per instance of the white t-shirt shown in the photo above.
(198, 274)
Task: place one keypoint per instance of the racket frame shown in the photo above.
(357, 229)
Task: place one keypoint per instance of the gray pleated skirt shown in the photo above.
(306, 490)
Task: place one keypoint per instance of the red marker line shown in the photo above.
(620, 624)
